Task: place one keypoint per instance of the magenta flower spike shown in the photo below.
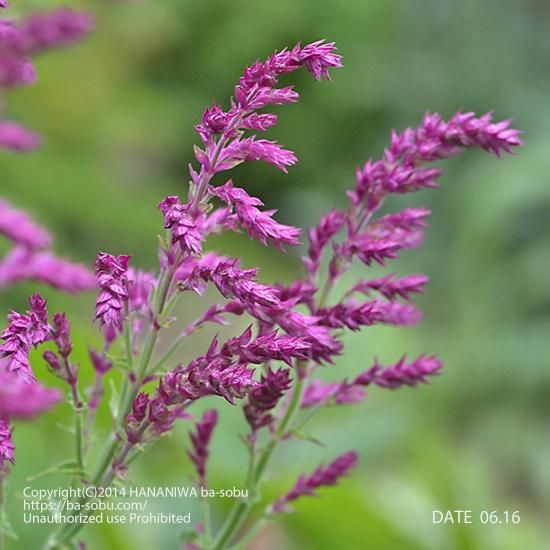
(200, 440)
(21, 229)
(111, 273)
(323, 476)
(269, 364)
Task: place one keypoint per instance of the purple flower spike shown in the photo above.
(258, 224)
(7, 448)
(193, 382)
(23, 332)
(369, 313)
(323, 476)
(264, 397)
(233, 282)
(402, 373)
(21, 229)
(343, 393)
(17, 138)
(111, 275)
(391, 287)
(61, 334)
(320, 236)
(200, 440)
(402, 169)
(100, 363)
(44, 267)
(250, 149)
(185, 230)
(223, 132)
(19, 399)
(55, 29)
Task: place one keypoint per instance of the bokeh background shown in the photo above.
(117, 115)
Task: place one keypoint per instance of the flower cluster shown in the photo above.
(299, 325)
(402, 373)
(23, 332)
(200, 440)
(323, 476)
(43, 266)
(265, 396)
(111, 272)
(21, 396)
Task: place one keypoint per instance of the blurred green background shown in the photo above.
(117, 115)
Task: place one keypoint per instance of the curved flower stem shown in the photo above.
(206, 520)
(102, 473)
(119, 460)
(78, 412)
(242, 508)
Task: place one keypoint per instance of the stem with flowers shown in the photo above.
(295, 326)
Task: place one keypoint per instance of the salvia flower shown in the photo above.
(233, 282)
(200, 440)
(196, 380)
(403, 373)
(402, 170)
(319, 236)
(392, 287)
(221, 131)
(61, 334)
(23, 332)
(323, 476)
(369, 313)
(23, 264)
(7, 448)
(257, 223)
(21, 229)
(53, 29)
(265, 396)
(111, 273)
(340, 393)
(17, 138)
(19, 399)
(184, 228)
(267, 347)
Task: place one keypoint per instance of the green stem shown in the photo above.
(79, 446)
(101, 474)
(206, 521)
(241, 509)
(171, 350)
(128, 341)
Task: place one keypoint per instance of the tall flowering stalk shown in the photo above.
(269, 368)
